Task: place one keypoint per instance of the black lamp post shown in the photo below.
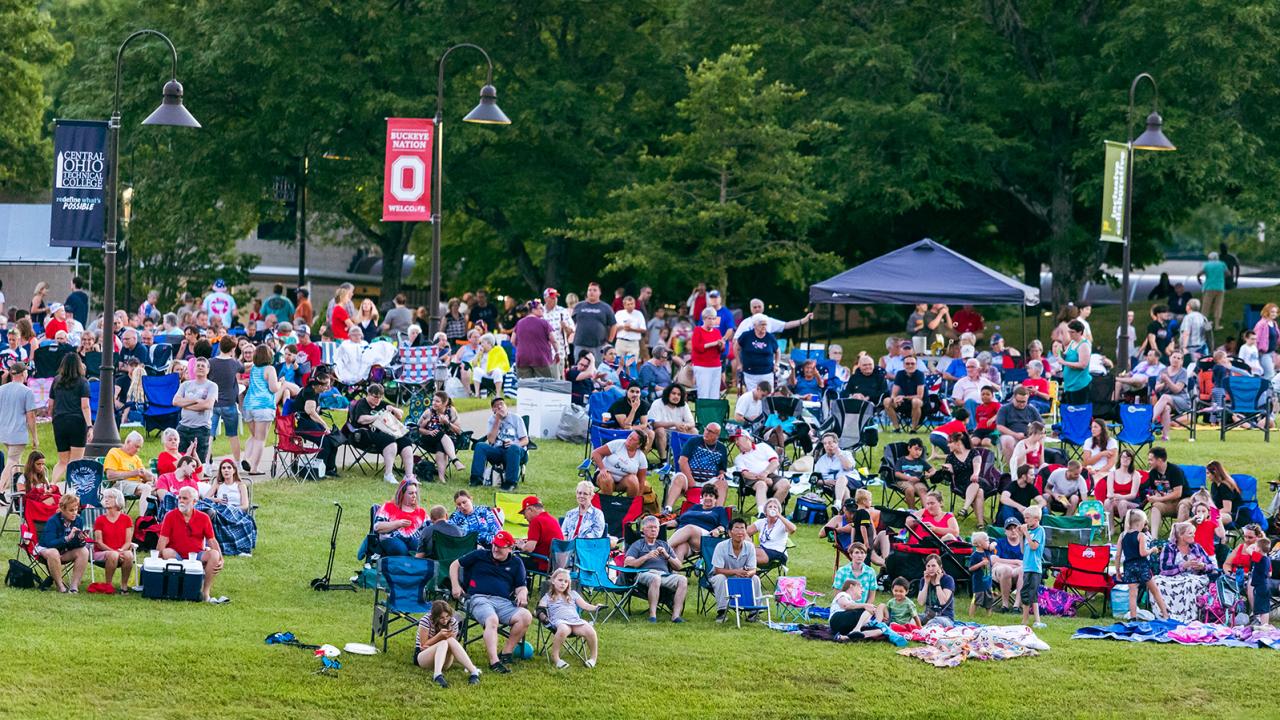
(171, 112)
(486, 113)
(1152, 139)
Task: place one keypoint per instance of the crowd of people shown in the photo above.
(984, 411)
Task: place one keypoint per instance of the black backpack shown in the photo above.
(20, 576)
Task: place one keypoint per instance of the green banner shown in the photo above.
(1114, 177)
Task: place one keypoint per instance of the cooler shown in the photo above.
(171, 579)
(544, 400)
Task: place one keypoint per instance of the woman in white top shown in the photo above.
(227, 487)
(1100, 451)
(774, 530)
(621, 462)
(671, 412)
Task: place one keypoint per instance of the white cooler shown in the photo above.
(544, 400)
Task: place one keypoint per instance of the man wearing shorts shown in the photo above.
(661, 569)
(196, 398)
(703, 461)
(497, 594)
(757, 466)
(126, 472)
(187, 530)
(224, 371)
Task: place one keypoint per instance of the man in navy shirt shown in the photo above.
(907, 394)
(496, 593)
(703, 463)
(758, 351)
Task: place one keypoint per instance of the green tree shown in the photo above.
(733, 190)
(27, 51)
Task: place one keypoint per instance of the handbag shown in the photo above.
(20, 576)
(385, 422)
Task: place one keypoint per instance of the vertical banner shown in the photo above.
(79, 183)
(1114, 177)
(281, 220)
(406, 190)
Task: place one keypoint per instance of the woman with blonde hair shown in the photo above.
(339, 315)
(368, 318)
(113, 538)
(491, 363)
(39, 309)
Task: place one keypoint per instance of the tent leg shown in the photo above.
(1025, 343)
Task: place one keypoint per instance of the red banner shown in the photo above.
(406, 189)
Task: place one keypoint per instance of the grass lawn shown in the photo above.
(82, 656)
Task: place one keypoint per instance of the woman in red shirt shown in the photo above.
(340, 312)
(397, 522)
(41, 499)
(942, 523)
(706, 347)
(113, 538)
(167, 460)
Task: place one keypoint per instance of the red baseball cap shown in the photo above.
(503, 539)
(529, 500)
(550, 291)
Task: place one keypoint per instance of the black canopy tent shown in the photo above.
(924, 271)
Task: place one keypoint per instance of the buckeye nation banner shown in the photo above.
(406, 190)
(79, 183)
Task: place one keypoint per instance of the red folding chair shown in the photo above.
(1087, 575)
(290, 448)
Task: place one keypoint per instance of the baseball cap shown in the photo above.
(714, 293)
(219, 284)
(529, 500)
(54, 307)
(996, 338)
(17, 368)
(549, 292)
(503, 539)
(967, 351)
(850, 505)
(1011, 522)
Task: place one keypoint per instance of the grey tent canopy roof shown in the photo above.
(923, 271)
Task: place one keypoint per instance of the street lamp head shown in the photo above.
(171, 110)
(487, 112)
(1153, 138)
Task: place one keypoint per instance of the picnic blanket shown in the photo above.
(947, 647)
(1194, 633)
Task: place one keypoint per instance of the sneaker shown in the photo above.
(653, 618)
(390, 478)
(499, 668)
(474, 679)
(561, 665)
(476, 481)
(508, 487)
(722, 616)
(589, 662)
(505, 658)
(666, 509)
(895, 638)
(439, 680)
(244, 465)
(677, 620)
(1038, 625)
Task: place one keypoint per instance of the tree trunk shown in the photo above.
(393, 244)
(556, 261)
(1069, 264)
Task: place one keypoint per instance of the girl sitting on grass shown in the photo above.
(437, 645)
(561, 605)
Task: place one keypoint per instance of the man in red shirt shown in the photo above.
(188, 530)
(543, 528)
(968, 320)
(311, 350)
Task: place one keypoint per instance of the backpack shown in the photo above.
(1058, 602)
(810, 509)
(146, 532)
(20, 576)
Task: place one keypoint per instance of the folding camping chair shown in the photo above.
(701, 572)
(1136, 423)
(890, 494)
(853, 421)
(711, 410)
(794, 599)
(1074, 429)
(414, 373)
(620, 515)
(597, 435)
(787, 410)
(593, 577)
(675, 445)
(508, 507)
(292, 448)
(1248, 402)
(360, 456)
(743, 598)
(495, 470)
(1060, 532)
(85, 478)
(576, 645)
(444, 550)
(159, 412)
(161, 355)
(1249, 511)
(1087, 575)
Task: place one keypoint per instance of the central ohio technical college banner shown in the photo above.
(79, 184)
(406, 191)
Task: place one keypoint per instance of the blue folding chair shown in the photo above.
(743, 598)
(1136, 422)
(403, 601)
(1197, 476)
(161, 355)
(592, 556)
(675, 445)
(95, 390)
(1249, 511)
(159, 412)
(1074, 428)
(85, 478)
(1248, 402)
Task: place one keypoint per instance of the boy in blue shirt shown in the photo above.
(1032, 564)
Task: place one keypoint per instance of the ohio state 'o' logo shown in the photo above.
(412, 166)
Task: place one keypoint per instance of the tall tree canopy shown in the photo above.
(28, 51)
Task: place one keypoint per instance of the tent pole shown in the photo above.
(1024, 327)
